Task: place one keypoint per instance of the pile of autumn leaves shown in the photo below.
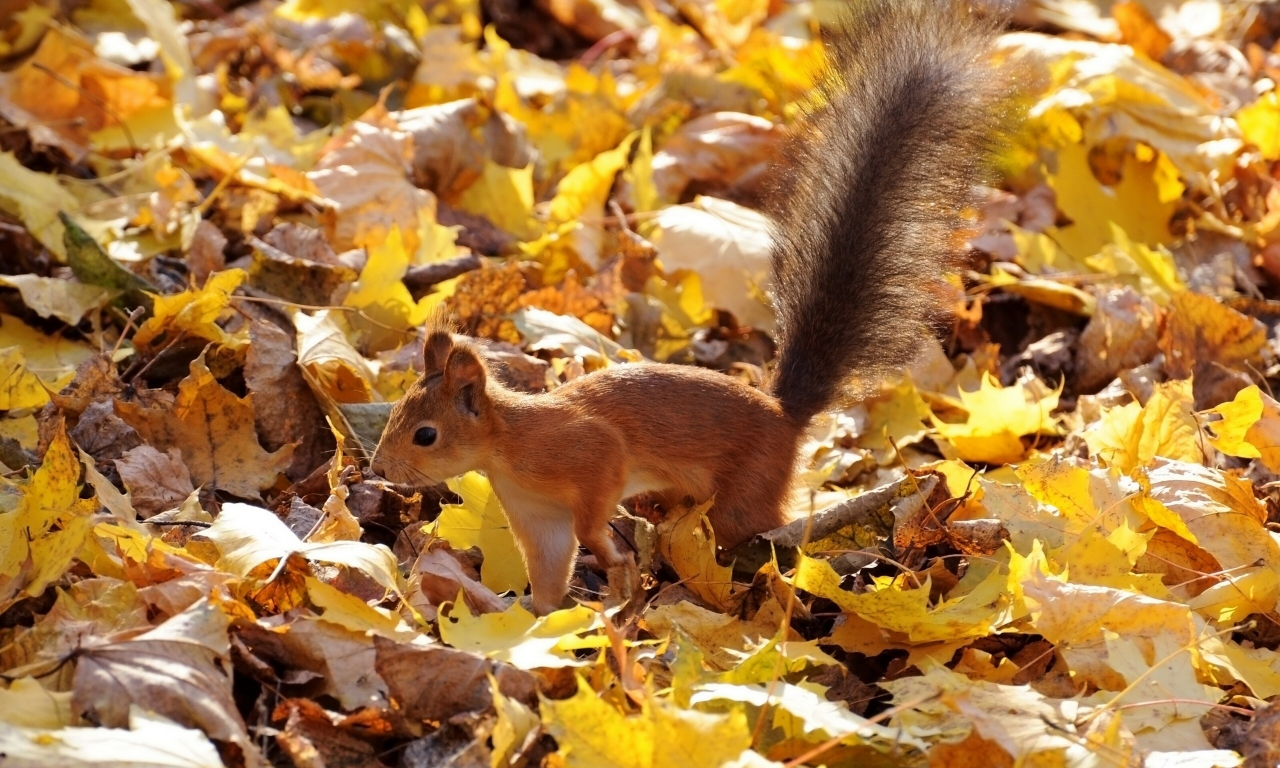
(198, 348)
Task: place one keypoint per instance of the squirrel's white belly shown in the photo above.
(642, 482)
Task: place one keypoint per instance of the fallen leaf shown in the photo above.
(436, 683)
(998, 419)
(521, 639)
(1202, 330)
(687, 542)
(194, 312)
(479, 521)
(44, 524)
(592, 733)
(156, 481)
(151, 741)
(63, 299)
(249, 536)
(214, 431)
(1132, 436)
(366, 172)
(170, 670)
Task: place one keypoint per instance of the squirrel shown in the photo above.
(868, 216)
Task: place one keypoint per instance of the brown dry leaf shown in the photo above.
(156, 481)
(436, 683)
(214, 431)
(441, 575)
(322, 656)
(305, 282)
(172, 670)
(309, 736)
(452, 141)
(1202, 330)
(306, 243)
(207, 252)
(102, 434)
(367, 172)
(285, 411)
(1123, 333)
(720, 152)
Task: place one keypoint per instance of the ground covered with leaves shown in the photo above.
(1053, 541)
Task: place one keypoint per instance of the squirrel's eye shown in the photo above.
(424, 436)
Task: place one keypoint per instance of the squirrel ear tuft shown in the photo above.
(435, 351)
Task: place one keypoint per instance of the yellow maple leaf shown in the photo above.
(19, 387)
(592, 733)
(1250, 427)
(382, 297)
(348, 611)
(687, 542)
(479, 521)
(586, 117)
(42, 533)
(1151, 271)
(892, 604)
(519, 638)
(194, 312)
(1131, 435)
(1096, 559)
(1260, 123)
(898, 418)
(1133, 203)
(515, 723)
(1239, 594)
(504, 196)
(998, 418)
(52, 358)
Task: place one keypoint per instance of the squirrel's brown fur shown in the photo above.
(867, 214)
(866, 219)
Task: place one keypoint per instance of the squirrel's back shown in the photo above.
(868, 213)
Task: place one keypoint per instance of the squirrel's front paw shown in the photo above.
(544, 607)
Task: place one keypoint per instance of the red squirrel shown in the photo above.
(867, 208)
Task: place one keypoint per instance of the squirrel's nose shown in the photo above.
(376, 467)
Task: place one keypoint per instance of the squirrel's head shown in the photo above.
(441, 427)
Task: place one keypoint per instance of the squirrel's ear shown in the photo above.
(465, 375)
(435, 351)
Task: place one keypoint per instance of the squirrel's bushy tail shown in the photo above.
(878, 175)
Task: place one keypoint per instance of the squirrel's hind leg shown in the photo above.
(620, 567)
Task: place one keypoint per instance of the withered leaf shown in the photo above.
(285, 410)
(437, 683)
(441, 575)
(156, 481)
(173, 669)
(309, 736)
(1202, 330)
(214, 430)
